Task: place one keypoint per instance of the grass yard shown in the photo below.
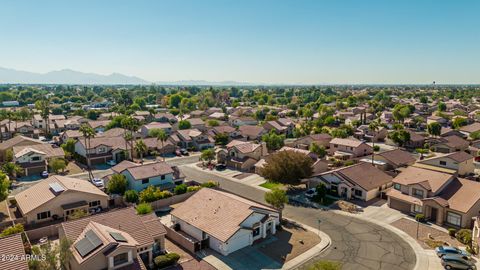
(325, 265)
(272, 185)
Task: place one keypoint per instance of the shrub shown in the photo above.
(151, 194)
(209, 184)
(464, 236)
(144, 208)
(131, 196)
(349, 163)
(169, 259)
(193, 188)
(420, 217)
(452, 232)
(376, 148)
(18, 228)
(180, 189)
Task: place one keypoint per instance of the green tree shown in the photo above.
(400, 137)
(117, 184)
(273, 140)
(140, 148)
(69, 147)
(321, 191)
(92, 115)
(434, 129)
(12, 169)
(65, 252)
(213, 123)
(131, 196)
(277, 198)
(9, 155)
(57, 164)
(4, 185)
(459, 122)
(475, 135)
(442, 107)
(144, 208)
(374, 127)
(43, 105)
(319, 150)
(221, 138)
(422, 152)
(161, 136)
(180, 189)
(184, 124)
(208, 155)
(287, 167)
(17, 228)
(87, 133)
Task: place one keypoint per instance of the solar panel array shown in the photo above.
(56, 187)
(88, 244)
(118, 237)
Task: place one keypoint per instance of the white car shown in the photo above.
(111, 162)
(310, 193)
(97, 182)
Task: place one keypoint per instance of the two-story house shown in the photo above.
(165, 117)
(33, 159)
(242, 155)
(57, 197)
(102, 149)
(460, 163)
(8, 145)
(252, 133)
(140, 176)
(197, 123)
(449, 144)
(349, 148)
(441, 197)
(194, 138)
(365, 133)
(280, 126)
(165, 126)
(118, 239)
(233, 133)
(305, 142)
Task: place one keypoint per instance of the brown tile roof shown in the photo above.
(158, 125)
(16, 140)
(459, 156)
(415, 137)
(297, 150)
(276, 125)
(413, 175)
(321, 137)
(142, 171)
(243, 147)
(346, 142)
(217, 213)
(223, 129)
(454, 141)
(41, 193)
(13, 246)
(125, 220)
(196, 121)
(461, 194)
(114, 142)
(123, 165)
(252, 131)
(113, 132)
(45, 148)
(365, 175)
(98, 123)
(187, 134)
(73, 133)
(471, 128)
(398, 157)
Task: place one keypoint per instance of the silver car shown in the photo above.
(457, 262)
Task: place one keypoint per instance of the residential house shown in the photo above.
(197, 123)
(165, 117)
(70, 134)
(349, 148)
(99, 125)
(468, 129)
(233, 134)
(118, 239)
(225, 221)
(252, 133)
(145, 129)
(450, 144)
(394, 159)
(39, 122)
(365, 133)
(25, 129)
(107, 116)
(155, 146)
(445, 132)
(194, 138)
(416, 140)
(218, 116)
(361, 181)
(102, 149)
(280, 126)
(143, 116)
(15, 141)
(13, 251)
(241, 155)
(239, 121)
(34, 159)
(456, 162)
(57, 197)
(441, 197)
(140, 176)
(436, 119)
(305, 142)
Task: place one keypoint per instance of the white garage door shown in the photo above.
(240, 240)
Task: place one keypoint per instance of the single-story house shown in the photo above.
(457, 162)
(349, 148)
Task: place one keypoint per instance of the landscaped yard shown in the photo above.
(73, 168)
(4, 215)
(272, 185)
(324, 265)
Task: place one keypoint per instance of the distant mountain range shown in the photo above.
(68, 76)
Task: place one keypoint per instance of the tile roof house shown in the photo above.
(102, 149)
(12, 246)
(252, 133)
(450, 144)
(233, 133)
(457, 162)
(197, 123)
(145, 129)
(467, 130)
(305, 142)
(280, 126)
(194, 138)
(241, 155)
(16, 141)
(228, 222)
(364, 133)
(99, 125)
(165, 117)
(34, 159)
(58, 197)
(140, 176)
(118, 239)
(349, 148)
(441, 197)
(361, 181)
(239, 121)
(395, 159)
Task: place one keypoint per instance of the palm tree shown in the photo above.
(130, 124)
(43, 106)
(374, 127)
(140, 148)
(161, 136)
(421, 151)
(87, 133)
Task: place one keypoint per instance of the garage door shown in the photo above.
(400, 205)
(238, 241)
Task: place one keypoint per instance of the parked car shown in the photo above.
(448, 250)
(178, 153)
(310, 193)
(220, 167)
(44, 174)
(184, 152)
(111, 162)
(97, 182)
(456, 262)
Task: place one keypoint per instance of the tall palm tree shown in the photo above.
(87, 133)
(130, 126)
(43, 105)
(374, 127)
(161, 136)
(140, 148)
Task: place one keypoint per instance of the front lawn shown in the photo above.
(325, 265)
(272, 185)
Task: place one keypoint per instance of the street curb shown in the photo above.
(421, 262)
(312, 252)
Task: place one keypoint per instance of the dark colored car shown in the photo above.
(457, 262)
(220, 167)
(184, 152)
(448, 250)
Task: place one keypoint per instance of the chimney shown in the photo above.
(264, 149)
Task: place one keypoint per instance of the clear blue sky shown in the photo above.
(271, 41)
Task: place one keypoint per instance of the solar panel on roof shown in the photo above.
(56, 187)
(88, 244)
(118, 237)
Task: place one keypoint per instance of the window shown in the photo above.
(101, 150)
(35, 158)
(417, 208)
(443, 163)
(358, 193)
(120, 259)
(162, 177)
(454, 219)
(418, 192)
(43, 215)
(145, 181)
(335, 145)
(94, 203)
(256, 231)
(397, 186)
